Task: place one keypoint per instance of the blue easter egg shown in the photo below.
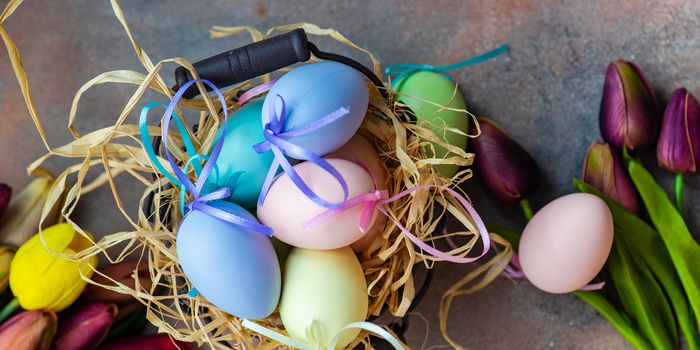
(311, 92)
(234, 268)
(240, 168)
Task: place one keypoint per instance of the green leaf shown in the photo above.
(647, 248)
(509, 234)
(682, 247)
(607, 310)
(642, 298)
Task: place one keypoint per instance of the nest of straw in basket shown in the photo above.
(117, 151)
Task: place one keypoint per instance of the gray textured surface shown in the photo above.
(545, 92)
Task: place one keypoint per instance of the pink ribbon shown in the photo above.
(255, 91)
(378, 198)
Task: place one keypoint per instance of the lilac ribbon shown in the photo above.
(277, 141)
(255, 91)
(378, 198)
(199, 202)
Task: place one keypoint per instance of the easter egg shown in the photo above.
(234, 268)
(239, 167)
(361, 151)
(326, 286)
(313, 91)
(287, 208)
(566, 243)
(415, 91)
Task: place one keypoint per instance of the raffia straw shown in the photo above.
(117, 150)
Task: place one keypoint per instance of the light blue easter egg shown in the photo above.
(234, 268)
(311, 92)
(240, 168)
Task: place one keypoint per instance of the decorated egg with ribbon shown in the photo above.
(360, 151)
(326, 290)
(239, 167)
(235, 268)
(425, 92)
(297, 220)
(311, 94)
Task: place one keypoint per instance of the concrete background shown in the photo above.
(546, 92)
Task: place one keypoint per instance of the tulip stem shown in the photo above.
(527, 209)
(9, 309)
(678, 187)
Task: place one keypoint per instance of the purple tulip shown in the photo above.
(28, 330)
(628, 109)
(679, 140)
(603, 169)
(147, 342)
(5, 195)
(124, 272)
(508, 172)
(84, 326)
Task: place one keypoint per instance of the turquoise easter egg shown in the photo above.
(234, 268)
(312, 91)
(239, 167)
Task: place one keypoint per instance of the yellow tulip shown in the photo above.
(6, 254)
(40, 279)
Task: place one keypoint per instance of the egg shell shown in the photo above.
(243, 130)
(566, 243)
(359, 150)
(286, 208)
(311, 92)
(435, 87)
(327, 286)
(235, 269)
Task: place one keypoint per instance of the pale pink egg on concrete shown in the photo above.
(566, 243)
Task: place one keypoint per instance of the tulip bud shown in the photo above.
(6, 255)
(39, 279)
(84, 326)
(508, 172)
(147, 342)
(5, 195)
(628, 109)
(28, 330)
(21, 220)
(679, 140)
(603, 169)
(127, 273)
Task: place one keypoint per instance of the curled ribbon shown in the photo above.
(314, 332)
(255, 91)
(199, 201)
(405, 69)
(378, 198)
(277, 141)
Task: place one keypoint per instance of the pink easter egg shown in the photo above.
(286, 208)
(359, 150)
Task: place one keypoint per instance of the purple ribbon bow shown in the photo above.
(199, 202)
(277, 141)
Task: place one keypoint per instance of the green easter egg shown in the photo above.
(435, 87)
(325, 286)
(240, 168)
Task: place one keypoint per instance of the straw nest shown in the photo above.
(117, 151)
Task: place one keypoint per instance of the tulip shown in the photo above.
(147, 342)
(40, 279)
(21, 219)
(125, 273)
(6, 255)
(628, 109)
(603, 169)
(507, 171)
(29, 330)
(5, 195)
(84, 326)
(679, 140)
